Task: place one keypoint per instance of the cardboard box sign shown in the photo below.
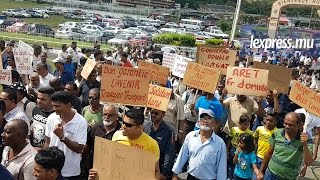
(158, 73)
(217, 57)
(158, 97)
(305, 97)
(247, 81)
(113, 160)
(201, 77)
(87, 68)
(129, 86)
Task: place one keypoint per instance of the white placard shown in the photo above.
(168, 60)
(23, 54)
(180, 66)
(5, 77)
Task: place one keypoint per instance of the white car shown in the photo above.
(120, 39)
(70, 33)
(69, 24)
(112, 29)
(216, 33)
(171, 25)
(11, 12)
(92, 28)
(25, 14)
(169, 49)
(131, 30)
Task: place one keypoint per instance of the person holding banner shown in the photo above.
(132, 134)
(204, 150)
(288, 148)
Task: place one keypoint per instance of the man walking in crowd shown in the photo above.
(18, 155)
(45, 76)
(40, 116)
(204, 150)
(288, 149)
(67, 130)
(48, 164)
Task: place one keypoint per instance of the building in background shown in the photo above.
(144, 3)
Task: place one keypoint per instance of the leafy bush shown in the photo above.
(215, 41)
(175, 39)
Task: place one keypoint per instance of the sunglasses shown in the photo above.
(93, 98)
(128, 125)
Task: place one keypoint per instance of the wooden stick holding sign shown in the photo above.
(87, 68)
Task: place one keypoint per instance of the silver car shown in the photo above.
(70, 33)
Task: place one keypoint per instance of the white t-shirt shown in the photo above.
(76, 131)
(45, 80)
(312, 120)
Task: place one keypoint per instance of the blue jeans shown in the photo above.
(269, 176)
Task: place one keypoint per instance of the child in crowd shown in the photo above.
(263, 133)
(245, 158)
(235, 132)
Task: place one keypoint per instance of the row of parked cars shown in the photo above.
(30, 13)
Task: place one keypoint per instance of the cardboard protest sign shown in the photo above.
(168, 60)
(201, 77)
(87, 68)
(23, 55)
(180, 66)
(216, 57)
(158, 73)
(305, 97)
(124, 85)
(5, 77)
(279, 77)
(158, 97)
(247, 81)
(113, 160)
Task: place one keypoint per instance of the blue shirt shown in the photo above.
(244, 168)
(69, 67)
(65, 77)
(207, 160)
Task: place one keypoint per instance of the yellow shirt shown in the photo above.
(235, 133)
(144, 142)
(263, 135)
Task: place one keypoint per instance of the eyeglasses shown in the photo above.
(93, 98)
(128, 125)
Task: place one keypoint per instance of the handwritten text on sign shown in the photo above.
(216, 57)
(124, 85)
(306, 98)
(279, 77)
(5, 77)
(180, 66)
(116, 161)
(158, 97)
(23, 58)
(201, 77)
(87, 68)
(247, 81)
(158, 73)
(168, 60)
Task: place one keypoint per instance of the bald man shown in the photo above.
(35, 85)
(288, 149)
(18, 155)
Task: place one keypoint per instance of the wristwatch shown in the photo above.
(63, 138)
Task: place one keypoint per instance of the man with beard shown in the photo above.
(204, 149)
(39, 116)
(104, 129)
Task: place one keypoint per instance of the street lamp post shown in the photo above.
(235, 20)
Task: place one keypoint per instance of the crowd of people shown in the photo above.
(49, 120)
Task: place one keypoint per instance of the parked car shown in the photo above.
(92, 28)
(18, 27)
(70, 33)
(112, 29)
(171, 25)
(6, 23)
(22, 14)
(40, 30)
(69, 24)
(120, 39)
(34, 14)
(140, 40)
(10, 12)
(216, 33)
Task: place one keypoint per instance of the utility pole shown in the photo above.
(235, 20)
